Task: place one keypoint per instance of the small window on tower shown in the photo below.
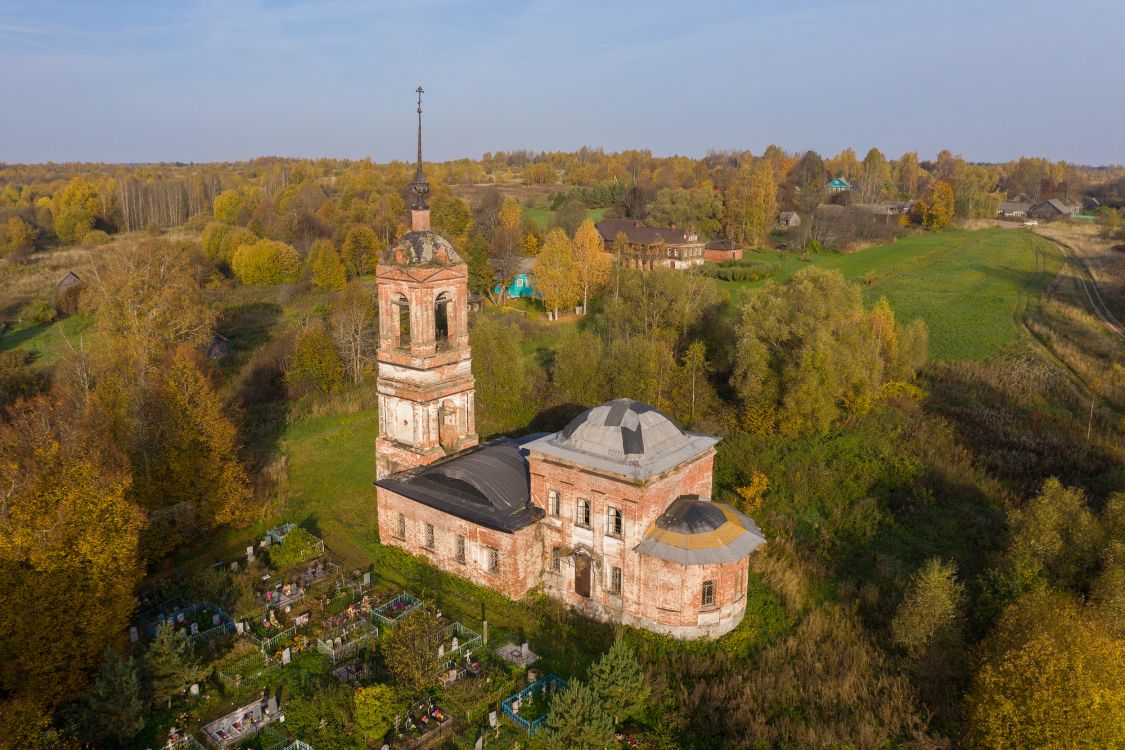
(459, 552)
(441, 320)
(615, 579)
(492, 559)
(708, 593)
(403, 321)
(429, 542)
(401, 526)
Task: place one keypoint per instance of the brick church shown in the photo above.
(611, 515)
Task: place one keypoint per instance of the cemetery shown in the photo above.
(528, 707)
(390, 613)
(233, 728)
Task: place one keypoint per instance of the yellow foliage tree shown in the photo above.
(68, 551)
(592, 261)
(327, 270)
(753, 492)
(750, 204)
(1051, 678)
(555, 273)
(266, 262)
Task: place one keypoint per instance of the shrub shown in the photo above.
(295, 548)
(739, 270)
(95, 238)
(266, 262)
(40, 311)
(72, 224)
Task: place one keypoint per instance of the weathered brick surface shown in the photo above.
(519, 560)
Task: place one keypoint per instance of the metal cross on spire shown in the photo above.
(419, 186)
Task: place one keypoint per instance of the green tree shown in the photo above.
(72, 224)
(619, 682)
(450, 216)
(168, 665)
(751, 204)
(1056, 536)
(327, 270)
(376, 707)
(266, 262)
(315, 363)
(569, 216)
(502, 396)
(410, 650)
(930, 613)
(1051, 677)
(113, 710)
(696, 209)
(577, 721)
(580, 368)
(360, 251)
(227, 206)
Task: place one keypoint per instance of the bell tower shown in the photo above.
(425, 383)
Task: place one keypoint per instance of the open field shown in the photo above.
(971, 288)
(542, 215)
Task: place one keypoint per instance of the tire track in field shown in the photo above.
(1090, 287)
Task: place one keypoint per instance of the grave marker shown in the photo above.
(215, 619)
(134, 636)
(367, 578)
(195, 628)
(491, 718)
(286, 656)
(194, 690)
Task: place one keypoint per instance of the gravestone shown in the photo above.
(455, 643)
(194, 690)
(250, 554)
(239, 628)
(271, 706)
(491, 718)
(441, 650)
(134, 636)
(195, 628)
(286, 656)
(523, 650)
(180, 617)
(215, 619)
(480, 743)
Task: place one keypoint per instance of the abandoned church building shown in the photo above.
(611, 515)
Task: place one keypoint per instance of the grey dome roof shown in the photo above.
(425, 248)
(696, 531)
(626, 437)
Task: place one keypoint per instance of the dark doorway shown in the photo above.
(582, 575)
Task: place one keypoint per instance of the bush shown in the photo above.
(95, 238)
(295, 548)
(72, 224)
(40, 311)
(266, 262)
(739, 270)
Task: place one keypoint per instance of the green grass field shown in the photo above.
(46, 342)
(542, 215)
(971, 288)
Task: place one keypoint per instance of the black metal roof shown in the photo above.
(688, 514)
(488, 485)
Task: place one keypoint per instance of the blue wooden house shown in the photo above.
(520, 285)
(838, 185)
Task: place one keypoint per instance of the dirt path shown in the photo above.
(1082, 274)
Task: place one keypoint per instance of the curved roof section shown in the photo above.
(694, 531)
(487, 485)
(425, 248)
(625, 437)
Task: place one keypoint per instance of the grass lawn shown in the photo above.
(971, 288)
(46, 342)
(542, 215)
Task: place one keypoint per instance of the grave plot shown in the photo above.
(288, 545)
(235, 727)
(245, 664)
(528, 707)
(268, 632)
(423, 724)
(178, 741)
(390, 613)
(199, 622)
(457, 648)
(352, 672)
(343, 635)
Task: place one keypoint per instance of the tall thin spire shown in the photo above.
(419, 186)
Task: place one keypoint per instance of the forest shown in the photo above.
(925, 415)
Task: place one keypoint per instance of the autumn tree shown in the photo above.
(1050, 678)
(592, 261)
(266, 262)
(808, 354)
(17, 237)
(75, 208)
(314, 365)
(354, 326)
(114, 711)
(507, 244)
(936, 210)
(376, 707)
(751, 204)
(68, 543)
(1056, 536)
(577, 721)
(327, 271)
(908, 175)
(619, 682)
(450, 216)
(931, 612)
(555, 274)
(360, 250)
(410, 650)
(698, 209)
(168, 665)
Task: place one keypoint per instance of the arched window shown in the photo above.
(582, 512)
(441, 320)
(403, 321)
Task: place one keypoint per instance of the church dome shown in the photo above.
(695, 531)
(626, 437)
(422, 248)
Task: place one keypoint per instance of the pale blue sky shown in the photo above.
(203, 80)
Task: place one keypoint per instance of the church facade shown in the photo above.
(611, 515)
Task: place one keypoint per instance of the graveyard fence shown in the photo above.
(271, 644)
(345, 643)
(467, 641)
(394, 610)
(550, 683)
